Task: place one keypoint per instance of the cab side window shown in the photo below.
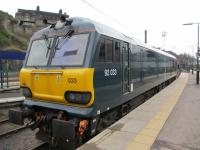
(101, 57)
(117, 52)
(106, 51)
(109, 51)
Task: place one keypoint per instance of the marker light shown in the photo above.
(78, 97)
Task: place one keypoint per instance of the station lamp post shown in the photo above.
(192, 58)
(164, 35)
(197, 75)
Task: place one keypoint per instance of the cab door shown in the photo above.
(126, 67)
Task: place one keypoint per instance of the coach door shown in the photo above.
(126, 67)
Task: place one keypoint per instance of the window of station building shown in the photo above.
(117, 51)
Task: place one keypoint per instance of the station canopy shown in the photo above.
(14, 55)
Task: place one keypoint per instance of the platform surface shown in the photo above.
(139, 129)
(11, 86)
(182, 129)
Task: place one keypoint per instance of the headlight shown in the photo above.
(26, 92)
(78, 97)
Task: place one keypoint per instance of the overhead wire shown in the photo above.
(106, 15)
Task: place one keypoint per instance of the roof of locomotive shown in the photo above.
(88, 25)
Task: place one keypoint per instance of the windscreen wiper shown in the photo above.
(48, 48)
(48, 44)
(67, 35)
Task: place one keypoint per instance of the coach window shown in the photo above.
(101, 57)
(117, 51)
(109, 51)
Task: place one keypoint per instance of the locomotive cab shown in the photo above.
(57, 68)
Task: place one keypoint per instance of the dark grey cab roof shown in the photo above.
(91, 26)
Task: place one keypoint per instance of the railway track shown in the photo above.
(14, 136)
(4, 109)
(40, 146)
(3, 121)
(3, 117)
(20, 138)
(7, 128)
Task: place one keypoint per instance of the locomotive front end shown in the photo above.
(66, 86)
(57, 81)
(55, 69)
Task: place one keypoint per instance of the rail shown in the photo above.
(11, 131)
(21, 138)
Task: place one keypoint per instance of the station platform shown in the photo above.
(11, 86)
(170, 120)
(12, 99)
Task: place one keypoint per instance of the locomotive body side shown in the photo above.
(127, 71)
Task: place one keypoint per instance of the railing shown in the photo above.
(10, 64)
(9, 79)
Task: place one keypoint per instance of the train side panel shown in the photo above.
(107, 75)
(137, 71)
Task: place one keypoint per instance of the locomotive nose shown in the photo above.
(59, 86)
(47, 85)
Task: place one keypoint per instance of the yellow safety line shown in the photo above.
(146, 137)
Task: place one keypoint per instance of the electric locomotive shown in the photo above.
(79, 75)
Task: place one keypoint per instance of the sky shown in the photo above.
(131, 17)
